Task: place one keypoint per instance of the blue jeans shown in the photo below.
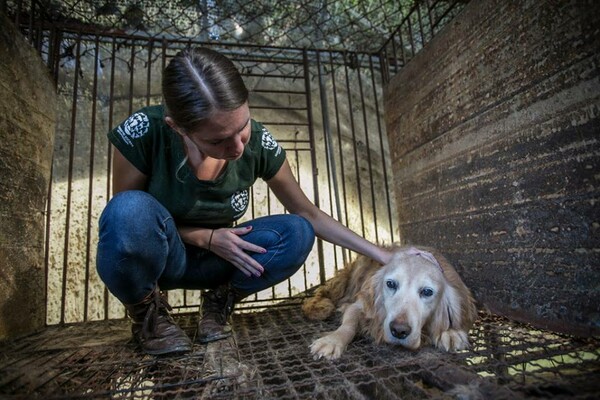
(139, 247)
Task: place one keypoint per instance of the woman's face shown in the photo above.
(224, 135)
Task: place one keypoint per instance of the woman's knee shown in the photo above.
(302, 231)
(297, 237)
(129, 206)
(131, 225)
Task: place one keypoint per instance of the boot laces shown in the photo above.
(158, 307)
(219, 303)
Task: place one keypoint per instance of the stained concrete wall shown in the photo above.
(27, 107)
(495, 131)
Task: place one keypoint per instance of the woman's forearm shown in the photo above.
(334, 232)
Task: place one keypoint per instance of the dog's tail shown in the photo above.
(327, 297)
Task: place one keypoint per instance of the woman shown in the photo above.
(181, 177)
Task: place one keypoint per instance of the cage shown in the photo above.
(380, 106)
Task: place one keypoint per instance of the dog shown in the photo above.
(417, 298)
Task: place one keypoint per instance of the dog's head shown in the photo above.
(419, 295)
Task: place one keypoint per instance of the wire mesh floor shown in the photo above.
(268, 358)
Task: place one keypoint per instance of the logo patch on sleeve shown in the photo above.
(136, 126)
(269, 143)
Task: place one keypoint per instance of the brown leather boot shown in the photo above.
(217, 307)
(154, 328)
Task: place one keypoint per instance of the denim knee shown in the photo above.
(303, 235)
(131, 207)
(289, 239)
(135, 244)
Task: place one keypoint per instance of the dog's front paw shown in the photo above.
(453, 340)
(329, 346)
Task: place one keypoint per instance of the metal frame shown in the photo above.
(81, 60)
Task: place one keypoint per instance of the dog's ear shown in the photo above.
(374, 309)
(445, 315)
(370, 295)
(457, 307)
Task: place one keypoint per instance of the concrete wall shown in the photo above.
(27, 107)
(495, 131)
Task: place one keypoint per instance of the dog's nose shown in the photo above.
(400, 330)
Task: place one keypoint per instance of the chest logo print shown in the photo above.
(239, 201)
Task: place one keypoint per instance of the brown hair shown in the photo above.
(198, 82)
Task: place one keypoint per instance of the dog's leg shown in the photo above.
(332, 345)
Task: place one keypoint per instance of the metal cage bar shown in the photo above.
(418, 26)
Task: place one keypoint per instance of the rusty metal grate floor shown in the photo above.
(268, 358)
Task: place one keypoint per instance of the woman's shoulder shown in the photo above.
(259, 132)
(255, 126)
(155, 114)
(263, 141)
(141, 125)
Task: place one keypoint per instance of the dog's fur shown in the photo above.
(417, 295)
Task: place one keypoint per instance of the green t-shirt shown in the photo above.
(157, 151)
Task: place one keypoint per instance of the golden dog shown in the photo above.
(417, 295)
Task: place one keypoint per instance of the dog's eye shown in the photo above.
(391, 284)
(426, 292)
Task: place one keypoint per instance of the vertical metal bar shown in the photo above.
(47, 241)
(385, 77)
(429, 8)
(164, 63)
(297, 155)
(381, 149)
(149, 72)
(18, 14)
(39, 32)
(88, 238)
(70, 178)
(111, 101)
(30, 28)
(395, 51)
(410, 36)
(51, 47)
(164, 45)
(269, 211)
(311, 135)
(328, 139)
(341, 155)
(353, 130)
(367, 142)
(56, 63)
(402, 49)
(48, 218)
(253, 213)
(418, 7)
(434, 18)
(53, 39)
(131, 70)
